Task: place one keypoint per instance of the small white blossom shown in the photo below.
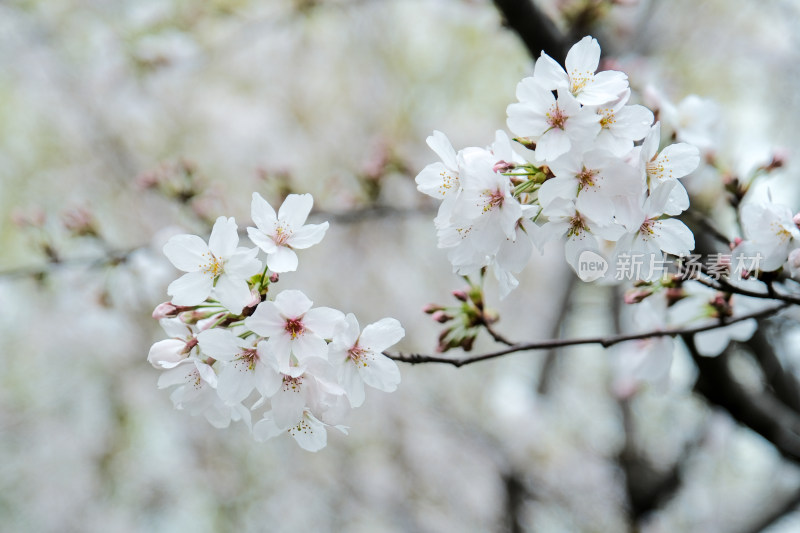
(218, 266)
(279, 235)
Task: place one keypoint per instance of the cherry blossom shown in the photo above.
(580, 77)
(771, 232)
(219, 267)
(293, 327)
(359, 358)
(279, 235)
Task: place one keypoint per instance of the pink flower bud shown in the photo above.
(794, 261)
(441, 317)
(503, 166)
(431, 308)
(637, 295)
(796, 220)
(165, 310)
(461, 295)
(273, 278)
(736, 242)
(255, 299)
(167, 353)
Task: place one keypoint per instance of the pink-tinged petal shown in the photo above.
(288, 404)
(583, 58)
(266, 320)
(292, 303)
(232, 292)
(308, 235)
(295, 209)
(262, 240)
(681, 159)
(190, 289)
(224, 237)
(381, 373)
(323, 321)
(283, 259)
(442, 147)
(310, 434)
(187, 252)
(263, 215)
(308, 346)
(381, 334)
(219, 343)
(352, 383)
(547, 73)
(244, 263)
(167, 353)
(346, 334)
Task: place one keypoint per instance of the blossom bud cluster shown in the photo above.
(235, 347)
(588, 171)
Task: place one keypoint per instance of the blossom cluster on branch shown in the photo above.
(235, 346)
(590, 169)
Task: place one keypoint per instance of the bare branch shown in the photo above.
(603, 341)
(537, 32)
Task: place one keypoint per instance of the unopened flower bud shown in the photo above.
(167, 353)
(736, 242)
(273, 278)
(637, 295)
(461, 295)
(165, 310)
(527, 142)
(432, 308)
(441, 317)
(674, 294)
(503, 166)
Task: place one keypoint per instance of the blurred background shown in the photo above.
(125, 122)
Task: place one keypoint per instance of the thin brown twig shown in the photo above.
(603, 341)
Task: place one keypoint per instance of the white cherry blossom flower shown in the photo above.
(309, 432)
(621, 125)
(770, 231)
(218, 266)
(244, 366)
(579, 78)
(441, 179)
(279, 235)
(293, 327)
(654, 233)
(556, 125)
(672, 163)
(597, 179)
(359, 356)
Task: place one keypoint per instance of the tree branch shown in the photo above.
(603, 341)
(537, 32)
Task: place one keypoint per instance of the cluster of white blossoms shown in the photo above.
(235, 347)
(592, 175)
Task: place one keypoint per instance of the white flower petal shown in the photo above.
(308, 235)
(263, 215)
(186, 252)
(232, 292)
(190, 289)
(224, 237)
(295, 209)
(283, 259)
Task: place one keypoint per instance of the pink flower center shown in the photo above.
(281, 236)
(556, 117)
(586, 177)
(291, 384)
(295, 328)
(248, 357)
(357, 354)
(493, 199)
